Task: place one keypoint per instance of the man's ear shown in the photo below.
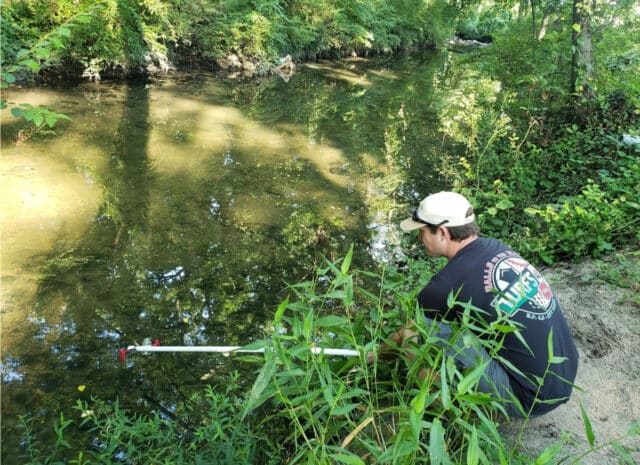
(445, 232)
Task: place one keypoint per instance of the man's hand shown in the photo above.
(399, 340)
(371, 356)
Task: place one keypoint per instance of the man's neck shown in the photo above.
(456, 246)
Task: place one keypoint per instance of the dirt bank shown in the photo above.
(606, 326)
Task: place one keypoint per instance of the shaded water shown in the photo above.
(179, 209)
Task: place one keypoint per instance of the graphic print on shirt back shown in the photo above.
(519, 286)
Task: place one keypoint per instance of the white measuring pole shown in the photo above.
(235, 349)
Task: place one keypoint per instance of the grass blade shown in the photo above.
(351, 436)
(587, 426)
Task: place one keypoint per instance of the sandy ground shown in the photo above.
(606, 327)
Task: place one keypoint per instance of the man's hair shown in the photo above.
(459, 233)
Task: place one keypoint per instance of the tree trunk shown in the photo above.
(582, 56)
(533, 18)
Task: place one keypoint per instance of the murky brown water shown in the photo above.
(179, 209)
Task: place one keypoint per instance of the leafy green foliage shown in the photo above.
(26, 61)
(317, 409)
(118, 435)
(478, 23)
(127, 35)
(555, 183)
(37, 115)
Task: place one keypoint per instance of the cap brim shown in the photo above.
(410, 225)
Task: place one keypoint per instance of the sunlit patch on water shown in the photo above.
(228, 158)
(214, 207)
(109, 334)
(167, 278)
(379, 249)
(12, 371)
(68, 353)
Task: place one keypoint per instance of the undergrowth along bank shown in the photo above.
(316, 409)
(128, 37)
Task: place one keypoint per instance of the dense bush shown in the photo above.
(549, 171)
(129, 35)
(478, 23)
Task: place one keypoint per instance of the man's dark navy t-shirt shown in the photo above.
(494, 278)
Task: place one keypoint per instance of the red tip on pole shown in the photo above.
(156, 342)
(122, 353)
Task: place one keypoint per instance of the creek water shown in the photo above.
(179, 208)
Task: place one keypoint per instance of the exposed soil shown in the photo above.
(606, 327)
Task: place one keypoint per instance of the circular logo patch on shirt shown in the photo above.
(519, 286)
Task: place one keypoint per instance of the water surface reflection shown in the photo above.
(178, 209)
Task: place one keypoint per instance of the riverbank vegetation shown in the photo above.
(130, 37)
(317, 409)
(544, 123)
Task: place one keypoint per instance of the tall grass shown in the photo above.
(350, 412)
(316, 409)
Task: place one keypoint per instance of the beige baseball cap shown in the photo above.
(443, 208)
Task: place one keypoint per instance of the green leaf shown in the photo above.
(260, 344)
(331, 320)
(3, 104)
(436, 443)
(576, 27)
(480, 398)
(9, 78)
(280, 311)
(343, 409)
(445, 395)
(262, 381)
(504, 328)
(550, 356)
(43, 52)
(587, 426)
(38, 119)
(16, 112)
(336, 294)
(51, 121)
(83, 18)
(472, 378)
(347, 261)
(505, 204)
(32, 64)
(349, 459)
(22, 52)
(63, 31)
(548, 454)
(473, 450)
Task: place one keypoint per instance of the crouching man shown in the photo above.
(496, 280)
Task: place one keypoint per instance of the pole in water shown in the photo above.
(156, 347)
